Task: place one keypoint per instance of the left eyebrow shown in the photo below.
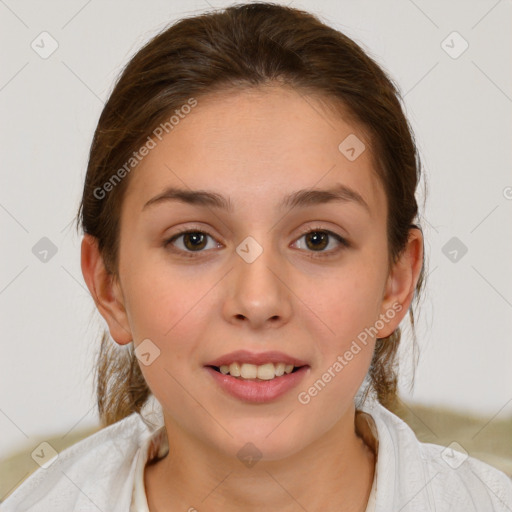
(299, 199)
(339, 193)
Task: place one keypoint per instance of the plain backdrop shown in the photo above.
(457, 99)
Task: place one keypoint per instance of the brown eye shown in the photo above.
(317, 240)
(194, 240)
(191, 241)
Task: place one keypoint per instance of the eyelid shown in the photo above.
(189, 229)
(318, 227)
(344, 243)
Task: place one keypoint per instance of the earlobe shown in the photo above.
(105, 291)
(401, 283)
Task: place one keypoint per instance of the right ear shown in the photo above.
(105, 291)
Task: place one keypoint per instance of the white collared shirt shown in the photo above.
(102, 471)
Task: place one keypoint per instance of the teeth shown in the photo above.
(234, 369)
(248, 371)
(279, 368)
(265, 371)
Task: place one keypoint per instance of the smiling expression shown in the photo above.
(254, 171)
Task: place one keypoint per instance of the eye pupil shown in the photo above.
(317, 236)
(197, 239)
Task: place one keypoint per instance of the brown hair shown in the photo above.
(244, 46)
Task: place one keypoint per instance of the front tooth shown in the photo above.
(234, 369)
(266, 371)
(288, 368)
(248, 371)
(279, 369)
(224, 369)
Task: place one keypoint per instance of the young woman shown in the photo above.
(250, 238)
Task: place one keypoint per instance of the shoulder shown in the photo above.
(464, 480)
(95, 472)
(416, 476)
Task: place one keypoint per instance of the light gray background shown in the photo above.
(459, 109)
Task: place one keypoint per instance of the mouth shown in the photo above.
(253, 377)
(258, 373)
(248, 387)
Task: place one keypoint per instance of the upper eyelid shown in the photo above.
(303, 232)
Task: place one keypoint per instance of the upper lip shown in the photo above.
(244, 356)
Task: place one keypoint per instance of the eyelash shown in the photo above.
(315, 254)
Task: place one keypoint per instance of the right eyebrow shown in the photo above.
(195, 197)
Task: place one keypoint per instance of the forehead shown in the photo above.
(256, 146)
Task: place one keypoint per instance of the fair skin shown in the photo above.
(255, 147)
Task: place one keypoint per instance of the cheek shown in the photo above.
(348, 303)
(161, 300)
(167, 306)
(345, 352)
(164, 309)
(348, 307)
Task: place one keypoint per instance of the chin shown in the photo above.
(263, 441)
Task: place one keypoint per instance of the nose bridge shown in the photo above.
(255, 259)
(258, 291)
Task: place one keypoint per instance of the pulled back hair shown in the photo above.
(237, 48)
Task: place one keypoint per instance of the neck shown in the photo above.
(334, 473)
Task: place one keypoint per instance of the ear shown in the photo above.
(401, 283)
(105, 291)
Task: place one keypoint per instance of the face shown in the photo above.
(263, 274)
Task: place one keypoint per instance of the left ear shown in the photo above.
(401, 283)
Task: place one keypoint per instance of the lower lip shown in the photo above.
(258, 391)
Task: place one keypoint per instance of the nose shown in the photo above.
(259, 292)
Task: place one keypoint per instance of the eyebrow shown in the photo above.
(298, 199)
